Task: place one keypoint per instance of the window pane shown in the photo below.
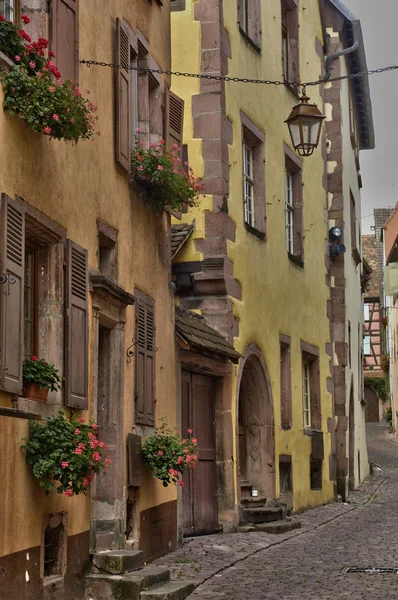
(29, 304)
(366, 345)
(306, 395)
(366, 312)
(7, 9)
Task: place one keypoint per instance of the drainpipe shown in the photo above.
(333, 57)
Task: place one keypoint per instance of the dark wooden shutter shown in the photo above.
(12, 294)
(76, 327)
(145, 359)
(140, 363)
(174, 119)
(149, 365)
(65, 37)
(123, 96)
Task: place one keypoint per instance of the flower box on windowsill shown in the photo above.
(33, 392)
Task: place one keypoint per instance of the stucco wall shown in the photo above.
(75, 185)
(277, 296)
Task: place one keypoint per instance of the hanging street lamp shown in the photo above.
(305, 125)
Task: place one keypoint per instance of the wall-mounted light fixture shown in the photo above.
(336, 247)
(305, 125)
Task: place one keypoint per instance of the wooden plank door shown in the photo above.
(200, 490)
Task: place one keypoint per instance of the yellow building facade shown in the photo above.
(80, 199)
(257, 256)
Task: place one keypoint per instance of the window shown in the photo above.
(248, 177)
(289, 213)
(353, 223)
(306, 394)
(249, 20)
(289, 36)
(366, 345)
(286, 384)
(9, 10)
(177, 5)
(34, 244)
(285, 46)
(253, 175)
(145, 359)
(65, 37)
(285, 473)
(54, 548)
(293, 208)
(107, 249)
(349, 344)
(30, 303)
(316, 474)
(366, 312)
(311, 387)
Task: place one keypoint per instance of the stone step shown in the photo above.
(173, 590)
(263, 514)
(118, 562)
(256, 501)
(109, 587)
(278, 526)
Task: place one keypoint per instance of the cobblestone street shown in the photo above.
(310, 562)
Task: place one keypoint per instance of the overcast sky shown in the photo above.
(379, 167)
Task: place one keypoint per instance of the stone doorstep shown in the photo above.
(278, 526)
(118, 562)
(263, 514)
(130, 585)
(173, 590)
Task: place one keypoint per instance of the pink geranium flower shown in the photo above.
(17, 58)
(55, 117)
(47, 130)
(64, 464)
(68, 493)
(160, 168)
(51, 88)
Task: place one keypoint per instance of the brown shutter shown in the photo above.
(12, 294)
(65, 37)
(123, 96)
(174, 119)
(149, 365)
(140, 362)
(76, 327)
(145, 372)
(293, 29)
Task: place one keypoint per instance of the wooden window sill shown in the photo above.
(18, 413)
(297, 260)
(249, 40)
(309, 431)
(259, 234)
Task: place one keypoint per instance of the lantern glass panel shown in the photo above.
(294, 127)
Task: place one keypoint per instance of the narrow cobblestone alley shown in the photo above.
(308, 563)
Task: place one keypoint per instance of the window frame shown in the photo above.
(249, 23)
(306, 395)
(367, 345)
(290, 41)
(15, 11)
(294, 167)
(286, 381)
(30, 248)
(366, 312)
(285, 44)
(289, 209)
(248, 185)
(253, 139)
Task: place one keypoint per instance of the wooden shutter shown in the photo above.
(11, 294)
(76, 327)
(65, 37)
(123, 96)
(174, 119)
(145, 372)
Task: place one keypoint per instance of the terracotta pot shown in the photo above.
(33, 392)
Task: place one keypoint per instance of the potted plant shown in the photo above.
(65, 454)
(168, 455)
(39, 377)
(33, 88)
(169, 183)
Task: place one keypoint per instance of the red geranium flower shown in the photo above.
(25, 19)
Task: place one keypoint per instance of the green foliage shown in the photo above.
(160, 171)
(34, 91)
(38, 371)
(168, 455)
(385, 363)
(388, 414)
(379, 385)
(65, 454)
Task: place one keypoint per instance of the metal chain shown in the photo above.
(96, 63)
